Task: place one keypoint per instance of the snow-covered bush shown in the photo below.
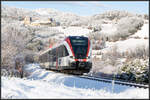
(29, 58)
(101, 44)
(97, 66)
(94, 35)
(16, 13)
(14, 39)
(112, 15)
(114, 37)
(98, 40)
(111, 57)
(128, 26)
(102, 68)
(146, 17)
(139, 52)
(96, 28)
(135, 70)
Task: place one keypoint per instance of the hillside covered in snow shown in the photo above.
(120, 46)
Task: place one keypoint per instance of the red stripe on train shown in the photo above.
(88, 49)
(84, 60)
(76, 59)
(68, 41)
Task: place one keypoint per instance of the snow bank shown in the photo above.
(48, 84)
(144, 32)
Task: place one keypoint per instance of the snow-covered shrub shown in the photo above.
(102, 68)
(14, 39)
(112, 15)
(40, 36)
(128, 26)
(137, 37)
(146, 17)
(97, 28)
(139, 52)
(97, 66)
(97, 36)
(4, 72)
(98, 40)
(16, 13)
(65, 18)
(35, 46)
(135, 70)
(29, 58)
(99, 45)
(111, 57)
(94, 35)
(76, 23)
(113, 37)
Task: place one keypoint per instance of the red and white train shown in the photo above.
(71, 55)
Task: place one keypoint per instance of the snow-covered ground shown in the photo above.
(143, 32)
(108, 29)
(131, 43)
(48, 84)
(74, 31)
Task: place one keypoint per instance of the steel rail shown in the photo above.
(111, 80)
(107, 80)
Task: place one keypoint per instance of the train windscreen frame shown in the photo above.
(80, 46)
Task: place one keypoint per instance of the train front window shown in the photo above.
(80, 47)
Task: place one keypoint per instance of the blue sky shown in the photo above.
(84, 8)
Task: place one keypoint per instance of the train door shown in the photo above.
(56, 58)
(60, 56)
(50, 59)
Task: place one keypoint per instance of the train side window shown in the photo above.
(65, 51)
(50, 55)
(47, 57)
(58, 52)
(44, 57)
(61, 51)
(54, 54)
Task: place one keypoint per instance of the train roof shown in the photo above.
(77, 37)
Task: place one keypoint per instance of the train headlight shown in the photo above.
(88, 57)
(72, 57)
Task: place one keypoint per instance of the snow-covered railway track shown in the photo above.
(107, 80)
(115, 82)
